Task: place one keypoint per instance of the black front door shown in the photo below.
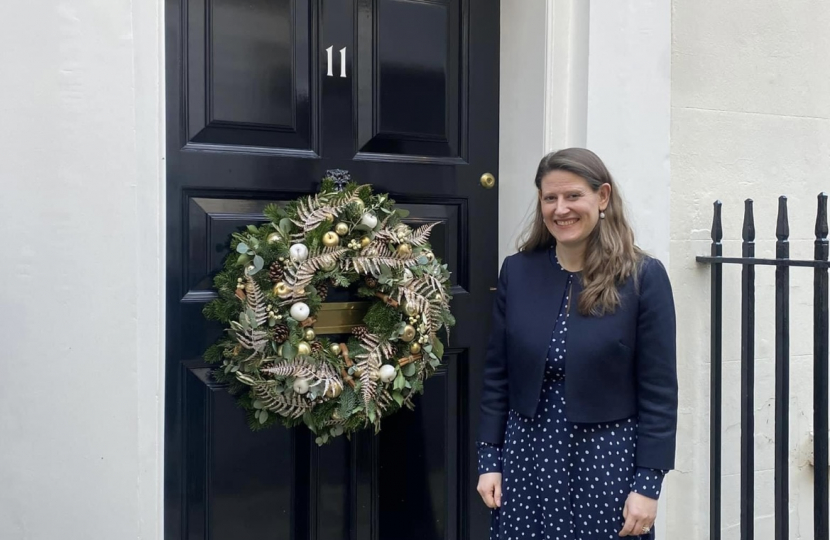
(263, 97)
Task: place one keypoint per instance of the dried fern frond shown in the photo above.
(372, 265)
(384, 400)
(292, 407)
(294, 368)
(421, 235)
(254, 340)
(368, 381)
(328, 377)
(298, 276)
(387, 235)
(376, 350)
(256, 301)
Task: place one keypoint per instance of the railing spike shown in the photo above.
(748, 232)
(717, 223)
(782, 228)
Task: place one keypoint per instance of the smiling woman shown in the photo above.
(581, 455)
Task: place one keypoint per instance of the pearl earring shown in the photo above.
(602, 215)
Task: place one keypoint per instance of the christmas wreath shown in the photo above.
(274, 283)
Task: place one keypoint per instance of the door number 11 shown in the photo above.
(330, 52)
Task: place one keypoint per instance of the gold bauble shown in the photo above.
(429, 255)
(415, 348)
(329, 266)
(330, 239)
(404, 250)
(274, 237)
(329, 218)
(303, 349)
(374, 375)
(336, 415)
(365, 241)
(281, 288)
(359, 205)
(309, 334)
(279, 351)
(410, 309)
(357, 372)
(342, 229)
(334, 391)
(335, 348)
(408, 333)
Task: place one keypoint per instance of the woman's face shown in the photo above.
(570, 207)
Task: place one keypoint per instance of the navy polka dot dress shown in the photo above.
(560, 480)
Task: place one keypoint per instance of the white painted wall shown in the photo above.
(593, 74)
(750, 81)
(81, 395)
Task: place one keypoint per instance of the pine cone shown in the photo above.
(316, 347)
(263, 367)
(281, 332)
(371, 282)
(360, 332)
(276, 272)
(322, 290)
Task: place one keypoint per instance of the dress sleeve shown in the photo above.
(648, 482)
(489, 458)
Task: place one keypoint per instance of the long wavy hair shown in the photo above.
(611, 256)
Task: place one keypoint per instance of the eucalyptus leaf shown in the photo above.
(253, 229)
(257, 404)
(402, 213)
(438, 347)
(259, 262)
(243, 259)
(409, 370)
(263, 416)
(285, 226)
(361, 227)
(422, 260)
(398, 398)
(251, 317)
(289, 352)
(242, 247)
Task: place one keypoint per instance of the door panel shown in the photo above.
(410, 80)
(258, 111)
(249, 73)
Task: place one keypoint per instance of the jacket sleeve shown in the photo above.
(494, 394)
(656, 357)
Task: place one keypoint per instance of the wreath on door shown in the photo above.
(274, 284)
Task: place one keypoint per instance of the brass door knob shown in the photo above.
(488, 180)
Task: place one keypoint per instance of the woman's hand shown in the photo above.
(489, 487)
(639, 513)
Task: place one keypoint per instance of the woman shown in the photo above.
(579, 405)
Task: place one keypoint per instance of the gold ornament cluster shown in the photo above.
(274, 284)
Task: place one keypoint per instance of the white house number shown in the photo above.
(330, 53)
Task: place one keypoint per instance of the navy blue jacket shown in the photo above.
(617, 366)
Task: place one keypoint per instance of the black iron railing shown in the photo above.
(782, 263)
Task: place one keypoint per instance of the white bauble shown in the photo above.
(387, 373)
(300, 386)
(298, 252)
(407, 276)
(299, 311)
(370, 220)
